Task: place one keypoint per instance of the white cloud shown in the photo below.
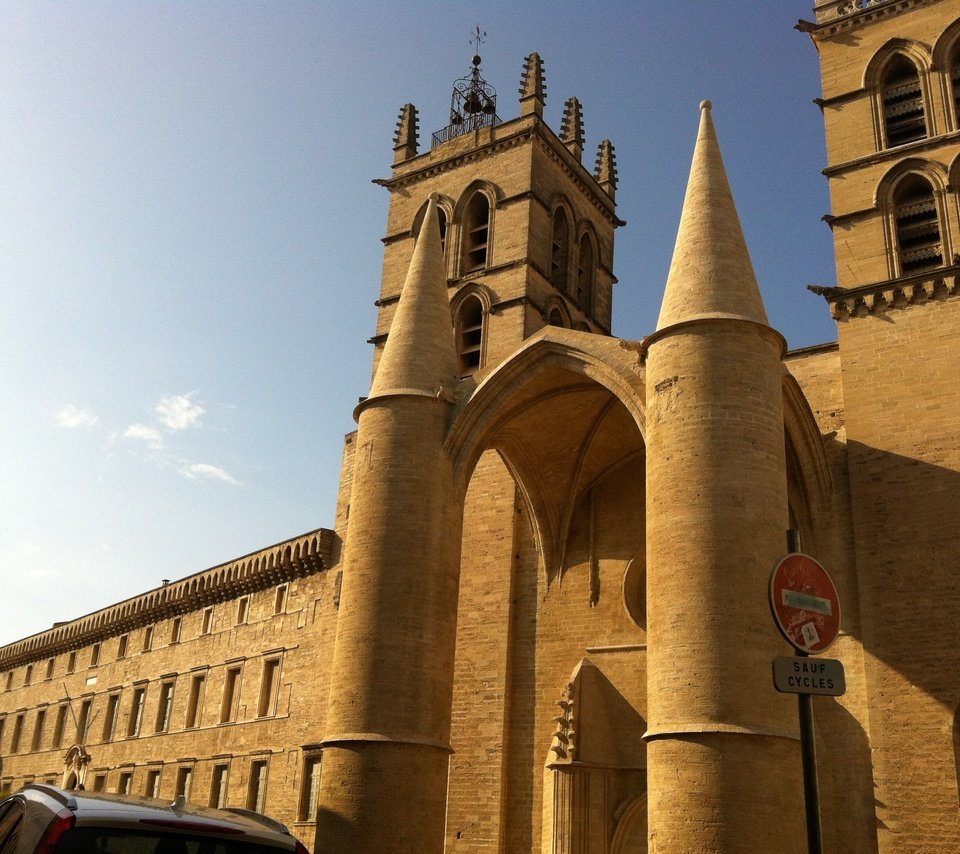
(148, 434)
(197, 470)
(178, 412)
(72, 417)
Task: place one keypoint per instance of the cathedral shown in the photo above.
(541, 621)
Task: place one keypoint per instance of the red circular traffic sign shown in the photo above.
(804, 603)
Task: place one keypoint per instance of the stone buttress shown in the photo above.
(723, 757)
(386, 746)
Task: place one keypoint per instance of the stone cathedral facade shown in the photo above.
(539, 621)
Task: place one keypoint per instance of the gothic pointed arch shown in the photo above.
(558, 377)
(946, 66)
(911, 198)
(445, 206)
(898, 76)
(474, 218)
(470, 309)
(561, 229)
(556, 314)
(586, 270)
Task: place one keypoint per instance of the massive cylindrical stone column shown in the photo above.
(723, 756)
(386, 745)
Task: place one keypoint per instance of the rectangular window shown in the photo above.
(166, 704)
(195, 701)
(125, 783)
(243, 608)
(95, 655)
(269, 683)
(206, 623)
(49, 674)
(38, 730)
(175, 630)
(184, 779)
(310, 790)
(148, 639)
(280, 603)
(9, 680)
(59, 725)
(152, 787)
(122, 647)
(17, 732)
(83, 721)
(100, 783)
(231, 695)
(136, 711)
(257, 791)
(218, 786)
(3, 720)
(72, 661)
(28, 675)
(110, 718)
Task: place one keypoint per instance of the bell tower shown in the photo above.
(527, 229)
(891, 107)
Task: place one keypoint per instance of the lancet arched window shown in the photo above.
(903, 113)
(586, 267)
(469, 331)
(918, 227)
(476, 234)
(559, 250)
(954, 71)
(442, 215)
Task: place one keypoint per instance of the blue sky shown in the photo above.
(189, 241)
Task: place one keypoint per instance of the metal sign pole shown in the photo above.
(808, 747)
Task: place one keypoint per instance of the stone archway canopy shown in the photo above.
(75, 763)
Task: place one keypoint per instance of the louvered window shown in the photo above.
(470, 335)
(443, 228)
(476, 232)
(559, 250)
(903, 116)
(918, 230)
(585, 274)
(955, 82)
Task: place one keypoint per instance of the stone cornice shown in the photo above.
(304, 555)
(892, 294)
(892, 154)
(842, 16)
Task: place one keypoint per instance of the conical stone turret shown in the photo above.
(723, 757)
(387, 736)
(711, 274)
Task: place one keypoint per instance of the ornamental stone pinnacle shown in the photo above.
(407, 137)
(606, 169)
(571, 127)
(533, 87)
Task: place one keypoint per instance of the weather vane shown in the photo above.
(478, 37)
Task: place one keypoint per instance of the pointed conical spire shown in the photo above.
(711, 274)
(407, 138)
(533, 89)
(419, 355)
(571, 127)
(606, 169)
